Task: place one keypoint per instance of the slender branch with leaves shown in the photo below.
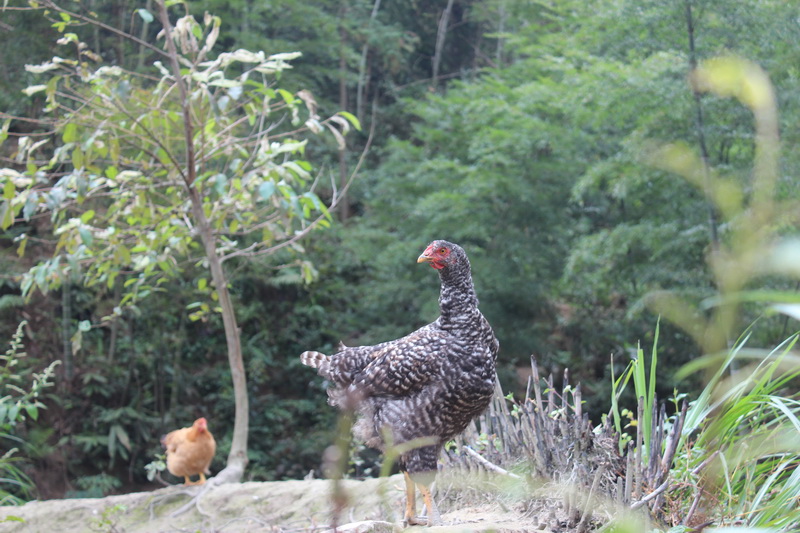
(197, 161)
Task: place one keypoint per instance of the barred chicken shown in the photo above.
(424, 388)
(190, 451)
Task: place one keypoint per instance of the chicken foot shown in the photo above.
(200, 481)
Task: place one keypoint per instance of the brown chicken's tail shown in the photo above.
(317, 360)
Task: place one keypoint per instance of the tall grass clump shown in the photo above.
(745, 433)
(731, 457)
(736, 459)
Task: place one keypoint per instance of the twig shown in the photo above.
(693, 507)
(188, 128)
(587, 510)
(702, 526)
(672, 440)
(163, 498)
(193, 502)
(490, 466)
(661, 488)
(702, 465)
(249, 518)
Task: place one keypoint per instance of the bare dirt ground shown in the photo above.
(373, 505)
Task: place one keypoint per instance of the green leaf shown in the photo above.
(77, 342)
(123, 437)
(33, 411)
(123, 254)
(202, 283)
(4, 130)
(6, 215)
(23, 242)
(295, 201)
(114, 149)
(87, 216)
(266, 189)
(31, 203)
(70, 133)
(351, 118)
(33, 89)
(163, 157)
(86, 235)
(146, 15)
(220, 183)
(77, 158)
(84, 325)
(9, 190)
(287, 96)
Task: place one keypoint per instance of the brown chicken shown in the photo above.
(190, 451)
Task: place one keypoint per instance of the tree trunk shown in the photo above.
(501, 28)
(66, 327)
(344, 205)
(362, 66)
(237, 459)
(700, 125)
(143, 35)
(440, 38)
(112, 343)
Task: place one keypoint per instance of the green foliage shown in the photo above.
(96, 486)
(738, 447)
(127, 166)
(150, 173)
(745, 428)
(20, 401)
(644, 386)
(107, 521)
(156, 466)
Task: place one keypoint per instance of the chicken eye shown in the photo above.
(442, 250)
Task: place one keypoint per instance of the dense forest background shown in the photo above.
(517, 129)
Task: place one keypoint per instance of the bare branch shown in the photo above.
(661, 488)
(489, 465)
(191, 172)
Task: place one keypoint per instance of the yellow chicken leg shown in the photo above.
(434, 519)
(411, 518)
(200, 481)
(411, 500)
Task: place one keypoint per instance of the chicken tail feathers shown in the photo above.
(317, 360)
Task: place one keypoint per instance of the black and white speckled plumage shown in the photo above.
(428, 384)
